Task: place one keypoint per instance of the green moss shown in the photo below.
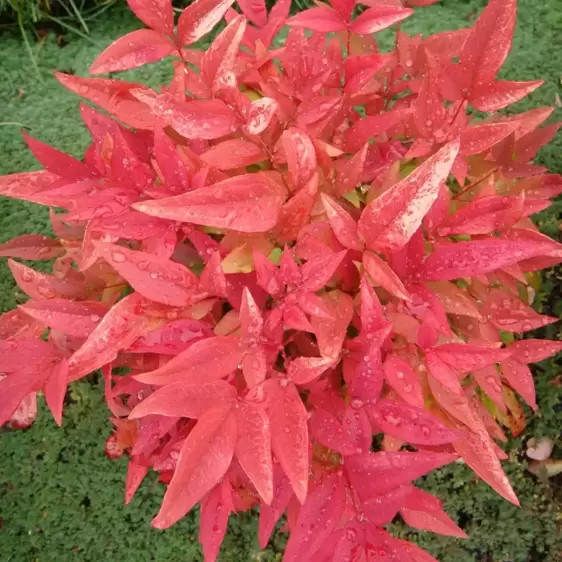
(61, 499)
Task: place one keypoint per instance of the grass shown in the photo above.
(61, 499)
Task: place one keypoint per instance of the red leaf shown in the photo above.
(508, 313)
(205, 361)
(489, 381)
(195, 119)
(173, 338)
(410, 423)
(259, 115)
(14, 389)
(253, 448)
(373, 474)
(55, 389)
(368, 377)
(57, 162)
(318, 271)
(342, 223)
(213, 521)
(113, 96)
(533, 351)
(204, 459)
(304, 370)
(234, 153)
(186, 400)
(199, 18)
(480, 138)
(369, 127)
(32, 247)
(429, 516)
(246, 203)
(520, 378)
(78, 319)
(255, 11)
(323, 19)
(300, 155)
(289, 435)
(156, 278)
(477, 451)
(270, 515)
(383, 276)
(488, 43)
(135, 475)
(501, 93)
(327, 429)
(378, 18)
(390, 221)
(157, 14)
(318, 518)
(134, 49)
(119, 328)
(463, 358)
(42, 286)
(27, 353)
(464, 259)
(331, 333)
(403, 380)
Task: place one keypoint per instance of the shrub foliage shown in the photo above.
(300, 269)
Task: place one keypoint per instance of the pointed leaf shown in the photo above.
(213, 521)
(158, 279)
(234, 153)
(246, 203)
(378, 18)
(289, 436)
(78, 319)
(409, 423)
(205, 361)
(403, 380)
(520, 378)
(383, 276)
(342, 223)
(204, 459)
(392, 219)
(376, 473)
(253, 448)
(186, 400)
(32, 247)
(199, 18)
(55, 389)
(323, 19)
(157, 14)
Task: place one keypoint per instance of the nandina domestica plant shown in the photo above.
(299, 268)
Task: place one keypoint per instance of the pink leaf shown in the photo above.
(78, 319)
(392, 219)
(323, 19)
(194, 119)
(57, 162)
(204, 459)
(501, 93)
(480, 138)
(368, 378)
(158, 279)
(213, 522)
(14, 390)
(318, 518)
(289, 436)
(119, 328)
(520, 378)
(55, 389)
(488, 43)
(253, 448)
(173, 338)
(255, 11)
(403, 380)
(383, 276)
(186, 400)
(378, 18)
(373, 474)
(300, 155)
(199, 18)
(533, 351)
(327, 429)
(134, 49)
(464, 259)
(342, 223)
(205, 361)
(410, 423)
(135, 475)
(318, 271)
(259, 115)
(304, 370)
(270, 515)
(234, 153)
(157, 14)
(331, 333)
(464, 358)
(477, 451)
(246, 203)
(32, 247)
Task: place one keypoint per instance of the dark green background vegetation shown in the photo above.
(62, 500)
